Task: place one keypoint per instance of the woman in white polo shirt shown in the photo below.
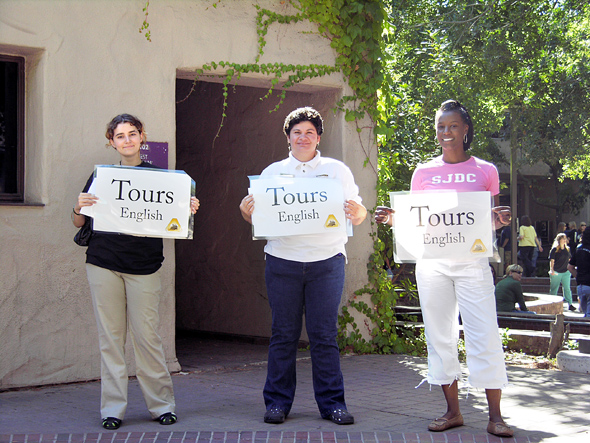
(306, 271)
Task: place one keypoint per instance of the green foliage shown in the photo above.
(520, 67)
(571, 345)
(145, 25)
(356, 30)
(506, 338)
(387, 334)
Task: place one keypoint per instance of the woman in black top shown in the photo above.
(559, 257)
(123, 273)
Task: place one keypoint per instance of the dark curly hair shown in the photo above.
(455, 106)
(302, 115)
(123, 118)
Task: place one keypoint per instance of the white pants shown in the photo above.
(445, 289)
(121, 299)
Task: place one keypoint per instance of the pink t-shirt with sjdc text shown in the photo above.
(474, 174)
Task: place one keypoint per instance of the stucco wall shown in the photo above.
(86, 63)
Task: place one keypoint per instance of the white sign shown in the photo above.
(296, 206)
(442, 225)
(142, 201)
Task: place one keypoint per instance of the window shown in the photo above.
(12, 131)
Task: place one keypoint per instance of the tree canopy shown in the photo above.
(518, 66)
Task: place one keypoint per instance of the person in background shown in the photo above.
(509, 291)
(579, 266)
(561, 226)
(559, 258)
(506, 244)
(447, 287)
(305, 273)
(527, 240)
(572, 234)
(124, 276)
(581, 231)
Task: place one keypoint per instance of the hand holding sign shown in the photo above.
(288, 206)
(355, 212)
(442, 225)
(141, 201)
(384, 215)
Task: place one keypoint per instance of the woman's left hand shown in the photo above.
(355, 212)
(502, 216)
(195, 203)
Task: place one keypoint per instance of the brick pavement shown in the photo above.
(224, 405)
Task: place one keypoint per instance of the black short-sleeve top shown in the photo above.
(125, 253)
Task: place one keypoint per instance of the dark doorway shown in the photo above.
(220, 274)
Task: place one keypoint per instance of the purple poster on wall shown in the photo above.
(155, 153)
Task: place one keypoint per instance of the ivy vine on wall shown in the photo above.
(355, 30)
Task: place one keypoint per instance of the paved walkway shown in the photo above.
(219, 400)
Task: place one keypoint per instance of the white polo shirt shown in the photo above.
(313, 247)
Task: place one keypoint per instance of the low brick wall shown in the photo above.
(544, 303)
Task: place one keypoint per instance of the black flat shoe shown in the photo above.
(340, 417)
(168, 418)
(275, 415)
(111, 423)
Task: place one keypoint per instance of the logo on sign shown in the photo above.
(478, 247)
(331, 222)
(173, 226)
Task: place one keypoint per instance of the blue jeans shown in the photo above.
(315, 287)
(526, 254)
(584, 297)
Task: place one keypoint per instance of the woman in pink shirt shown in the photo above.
(447, 287)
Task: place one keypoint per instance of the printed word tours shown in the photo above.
(147, 195)
(446, 218)
(301, 197)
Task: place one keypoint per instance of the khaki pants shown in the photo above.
(122, 300)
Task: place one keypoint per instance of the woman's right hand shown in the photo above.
(384, 215)
(247, 207)
(85, 199)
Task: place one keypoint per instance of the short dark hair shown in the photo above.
(586, 237)
(455, 106)
(306, 114)
(123, 118)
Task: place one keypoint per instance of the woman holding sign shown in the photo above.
(306, 271)
(123, 273)
(448, 286)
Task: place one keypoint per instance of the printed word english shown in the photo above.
(298, 217)
(443, 240)
(146, 214)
